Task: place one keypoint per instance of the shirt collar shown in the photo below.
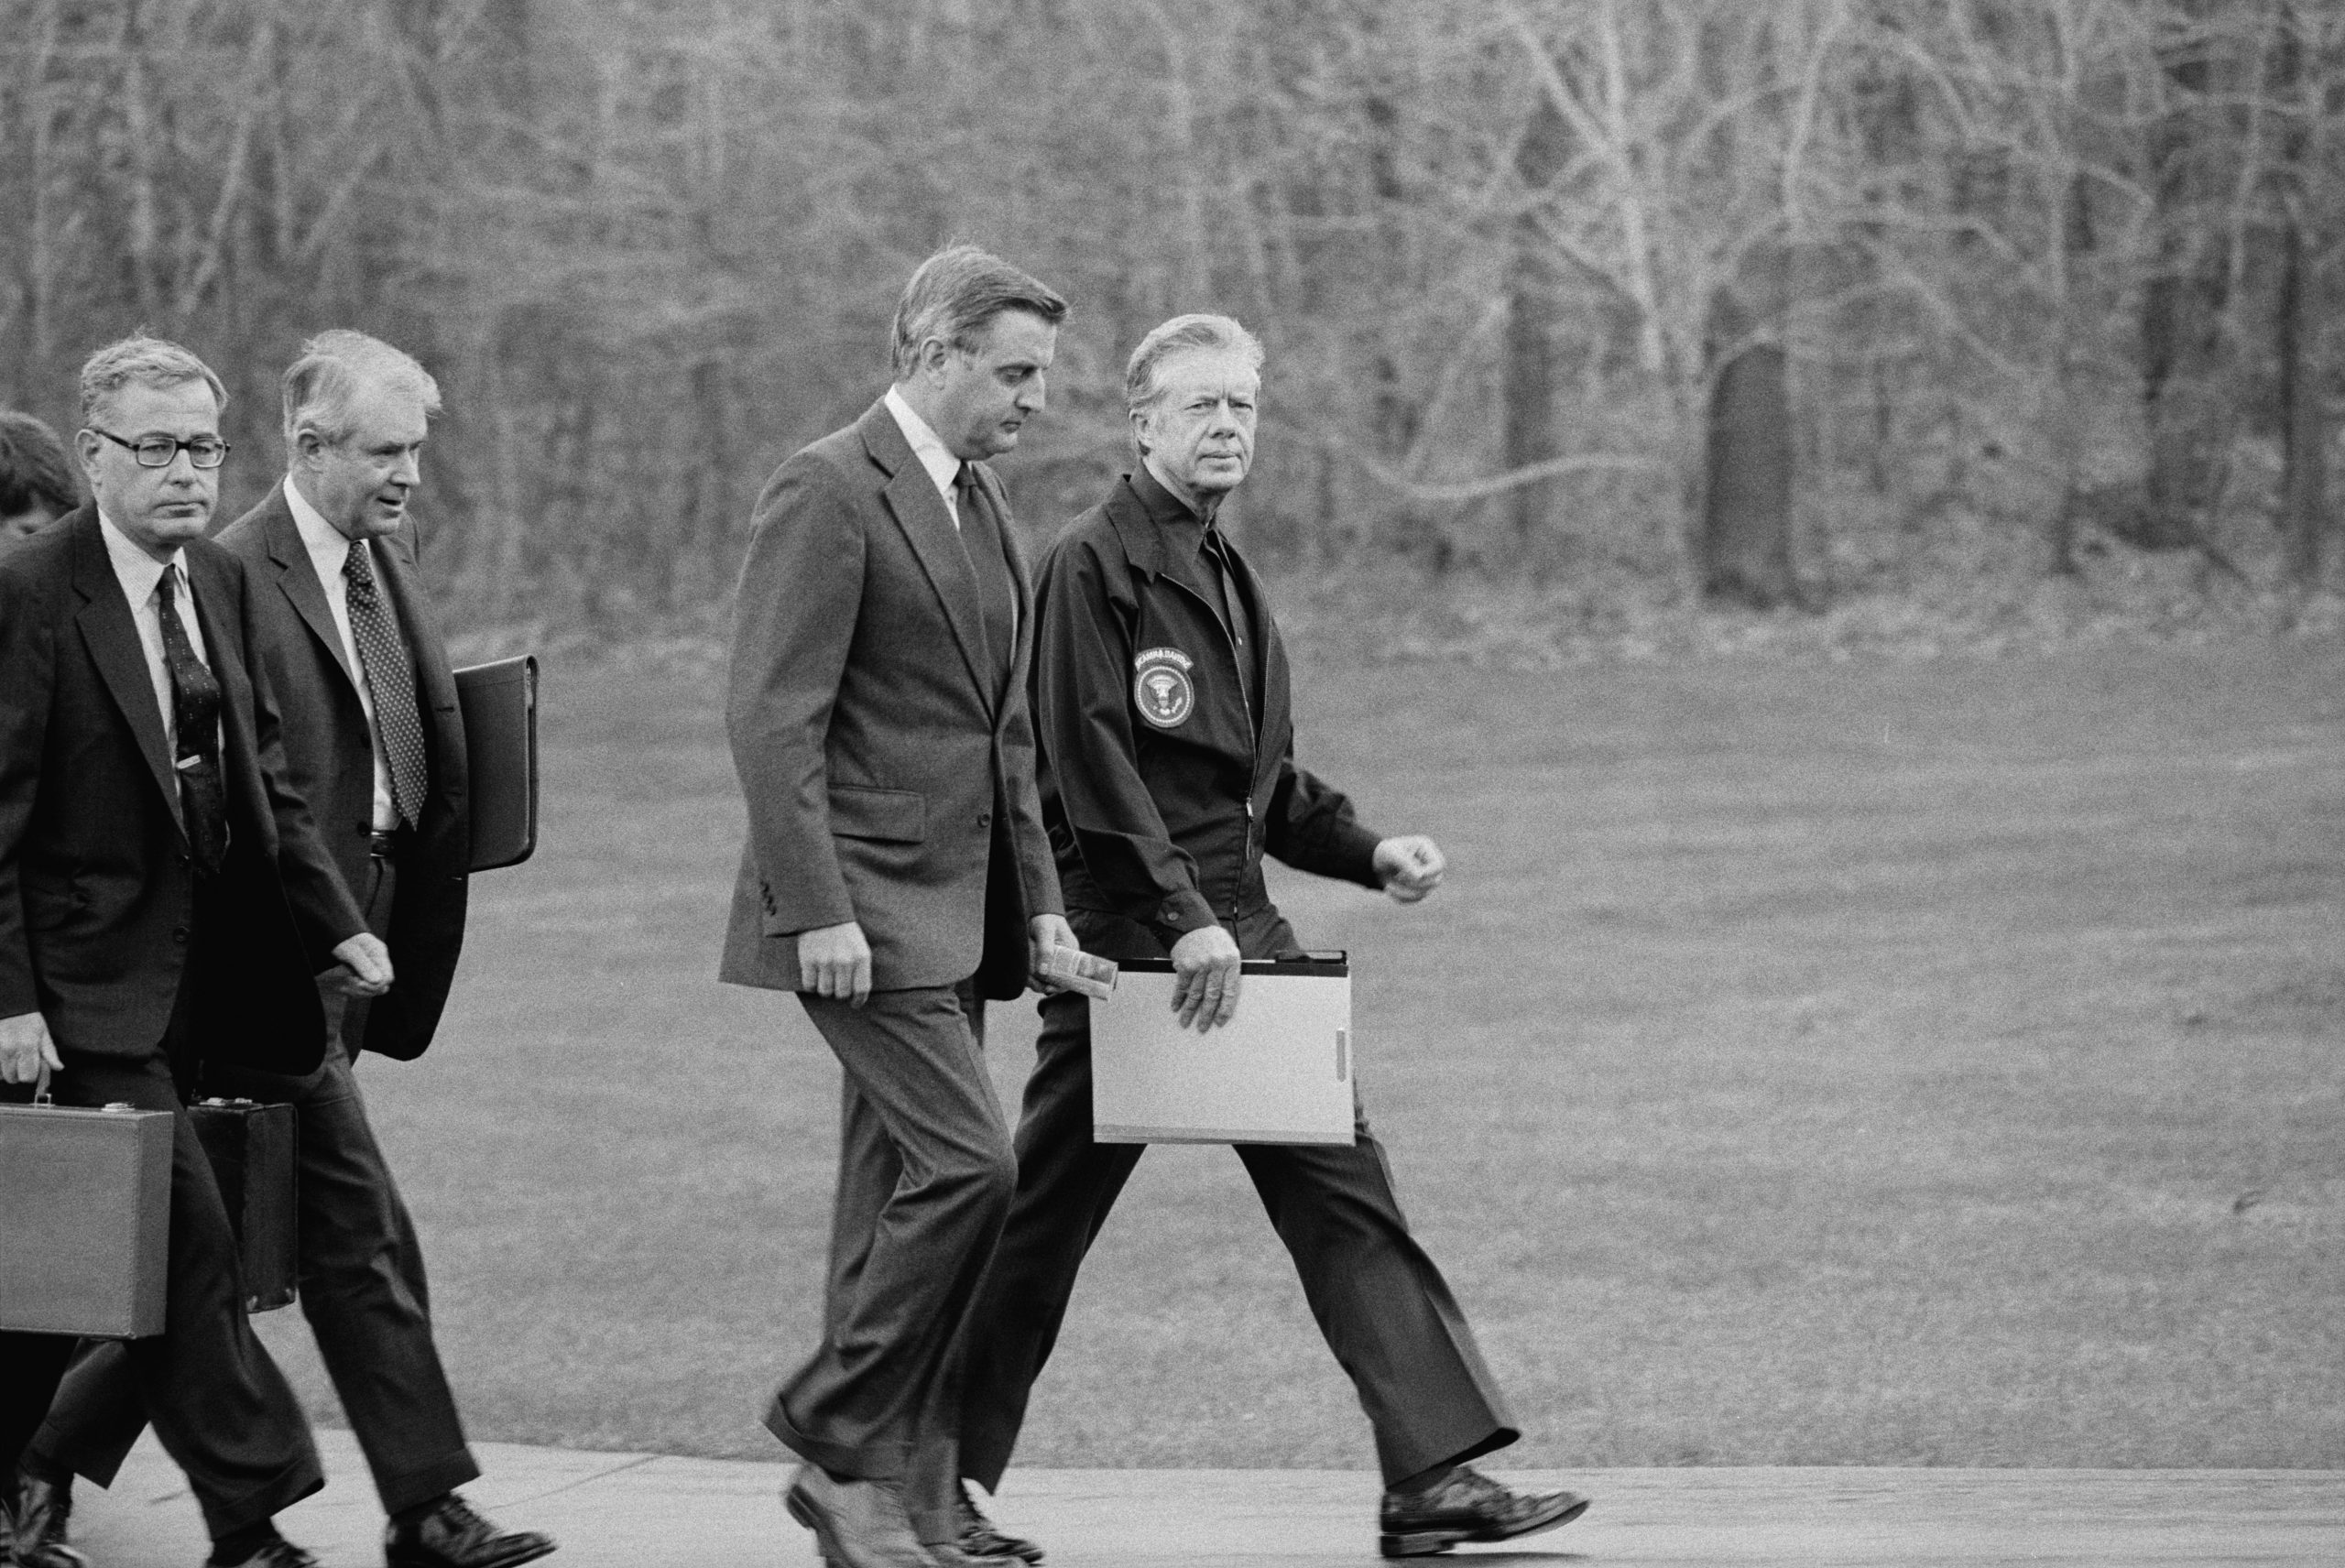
(938, 459)
(329, 547)
(137, 570)
(1181, 528)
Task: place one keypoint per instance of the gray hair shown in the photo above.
(320, 386)
(954, 293)
(1144, 378)
(149, 361)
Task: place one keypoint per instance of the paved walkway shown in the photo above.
(635, 1511)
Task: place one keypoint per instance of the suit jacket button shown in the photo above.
(178, 933)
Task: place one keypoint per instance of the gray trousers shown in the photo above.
(925, 1177)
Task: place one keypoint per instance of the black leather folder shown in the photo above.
(500, 705)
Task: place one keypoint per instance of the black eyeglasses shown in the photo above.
(158, 451)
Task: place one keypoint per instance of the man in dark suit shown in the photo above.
(1162, 711)
(375, 744)
(897, 872)
(164, 899)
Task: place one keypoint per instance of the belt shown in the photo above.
(380, 845)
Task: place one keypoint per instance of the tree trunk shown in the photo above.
(2311, 64)
(1746, 535)
(1530, 388)
(2182, 323)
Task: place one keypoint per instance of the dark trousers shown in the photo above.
(925, 1177)
(1381, 1305)
(362, 1284)
(221, 1407)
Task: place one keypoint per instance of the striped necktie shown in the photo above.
(390, 677)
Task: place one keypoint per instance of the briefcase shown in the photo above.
(85, 1218)
(1280, 1072)
(500, 701)
(251, 1148)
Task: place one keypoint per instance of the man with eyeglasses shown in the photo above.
(164, 899)
(374, 743)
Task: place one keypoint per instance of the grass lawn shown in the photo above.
(1933, 1062)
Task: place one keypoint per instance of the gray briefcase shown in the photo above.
(85, 1220)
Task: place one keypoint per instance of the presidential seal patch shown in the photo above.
(1161, 690)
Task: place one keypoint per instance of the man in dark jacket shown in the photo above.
(375, 744)
(164, 900)
(1161, 704)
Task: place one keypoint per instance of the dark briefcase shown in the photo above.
(85, 1218)
(251, 1148)
(500, 711)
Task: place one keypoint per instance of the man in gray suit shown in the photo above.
(897, 872)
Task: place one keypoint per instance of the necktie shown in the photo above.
(390, 677)
(195, 721)
(996, 590)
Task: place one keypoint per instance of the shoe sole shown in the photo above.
(1428, 1542)
(512, 1560)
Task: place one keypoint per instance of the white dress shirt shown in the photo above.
(938, 459)
(329, 550)
(141, 575)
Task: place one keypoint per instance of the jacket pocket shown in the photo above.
(895, 816)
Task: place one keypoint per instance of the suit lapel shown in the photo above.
(297, 578)
(919, 511)
(111, 638)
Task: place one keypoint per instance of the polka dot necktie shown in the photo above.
(195, 725)
(390, 677)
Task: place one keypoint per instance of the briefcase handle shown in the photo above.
(40, 1087)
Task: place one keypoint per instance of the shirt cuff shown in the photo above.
(1182, 914)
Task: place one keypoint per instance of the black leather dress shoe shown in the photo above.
(1466, 1505)
(980, 1538)
(37, 1520)
(453, 1536)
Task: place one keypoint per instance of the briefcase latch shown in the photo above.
(1343, 1054)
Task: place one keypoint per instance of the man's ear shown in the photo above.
(1139, 430)
(87, 444)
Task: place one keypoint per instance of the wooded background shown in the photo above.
(1765, 301)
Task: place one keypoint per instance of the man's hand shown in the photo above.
(26, 1049)
(1205, 977)
(1411, 865)
(366, 967)
(836, 961)
(1045, 932)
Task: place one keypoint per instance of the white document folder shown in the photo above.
(1281, 1071)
